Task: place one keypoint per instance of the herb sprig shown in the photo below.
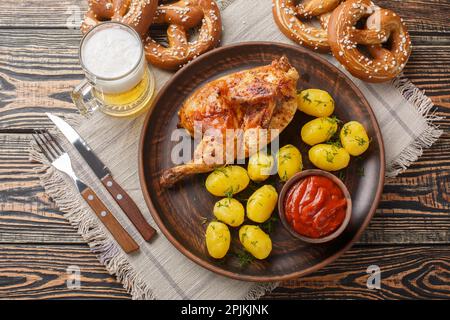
(244, 257)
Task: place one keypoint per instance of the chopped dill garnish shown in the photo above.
(346, 130)
(360, 141)
(341, 175)
(224, 203)
(285, 157)
(319, 102)
(334, 119)
(330, 156)
(269, 224)
(204, 220)
(306, 97)
(245, 258)
(230, 191)
(335, 141)
(221, 170)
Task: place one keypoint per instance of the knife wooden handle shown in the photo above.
(129, 207)
(117, 231)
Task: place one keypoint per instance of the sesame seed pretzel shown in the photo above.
(291, 17)
(382, 26)
(138, 14)
(180, 17)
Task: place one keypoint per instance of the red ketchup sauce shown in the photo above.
(315, 206)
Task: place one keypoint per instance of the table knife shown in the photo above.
(125, 202)
(60, 160)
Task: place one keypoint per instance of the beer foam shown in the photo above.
(111, 53)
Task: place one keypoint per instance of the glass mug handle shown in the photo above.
(83, 97)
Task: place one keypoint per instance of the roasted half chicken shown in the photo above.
(231, 112)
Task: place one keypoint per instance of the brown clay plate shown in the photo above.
(180, 212)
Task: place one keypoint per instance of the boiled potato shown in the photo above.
(261, 203)
(260, 166)
(319, 130)
(315, 102)
(354, 138)
(226, 181)
(289, 162)
(329, 157)
(230, 211)
(217, 239)
(255, 241)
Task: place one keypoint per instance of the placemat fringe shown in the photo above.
(260, 289)
(425, 109)
(87, 225)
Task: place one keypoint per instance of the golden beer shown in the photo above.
(118, 80)
(131, 102)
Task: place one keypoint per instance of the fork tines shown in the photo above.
(48, 145)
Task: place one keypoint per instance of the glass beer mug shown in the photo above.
(118, 80)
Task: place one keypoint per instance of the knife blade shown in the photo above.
(122, 198)
(82, 147)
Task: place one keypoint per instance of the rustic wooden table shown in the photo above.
(408, 238)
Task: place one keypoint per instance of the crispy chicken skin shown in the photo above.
(258, 98)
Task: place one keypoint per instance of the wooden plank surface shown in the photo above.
(37, 272)
(407, 272)
(37, 71)
(426, 16)
(27, 213)
(408, 238)
(411, 272)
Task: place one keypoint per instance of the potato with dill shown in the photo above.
(329, 157)
(289, 162)
(218, 239)
(226, 181)
(230, 211)
(315, 102)
(260, 166)
(319, 130)
(255, 241)
(354, 138)
(261, 203)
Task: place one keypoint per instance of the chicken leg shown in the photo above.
(233, 113)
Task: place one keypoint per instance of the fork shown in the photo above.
(61, 161)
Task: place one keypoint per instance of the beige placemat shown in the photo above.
(159, 270)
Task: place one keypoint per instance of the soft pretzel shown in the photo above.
(290, 19)
(382, 27)
(180, 17)
(138, 14)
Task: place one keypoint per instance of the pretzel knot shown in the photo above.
(384, 36)
(291, 17)
(138, 14)
(180, 17)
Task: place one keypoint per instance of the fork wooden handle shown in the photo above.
(117, 231)
(129, 207)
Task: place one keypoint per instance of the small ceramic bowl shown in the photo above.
(302, 175)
